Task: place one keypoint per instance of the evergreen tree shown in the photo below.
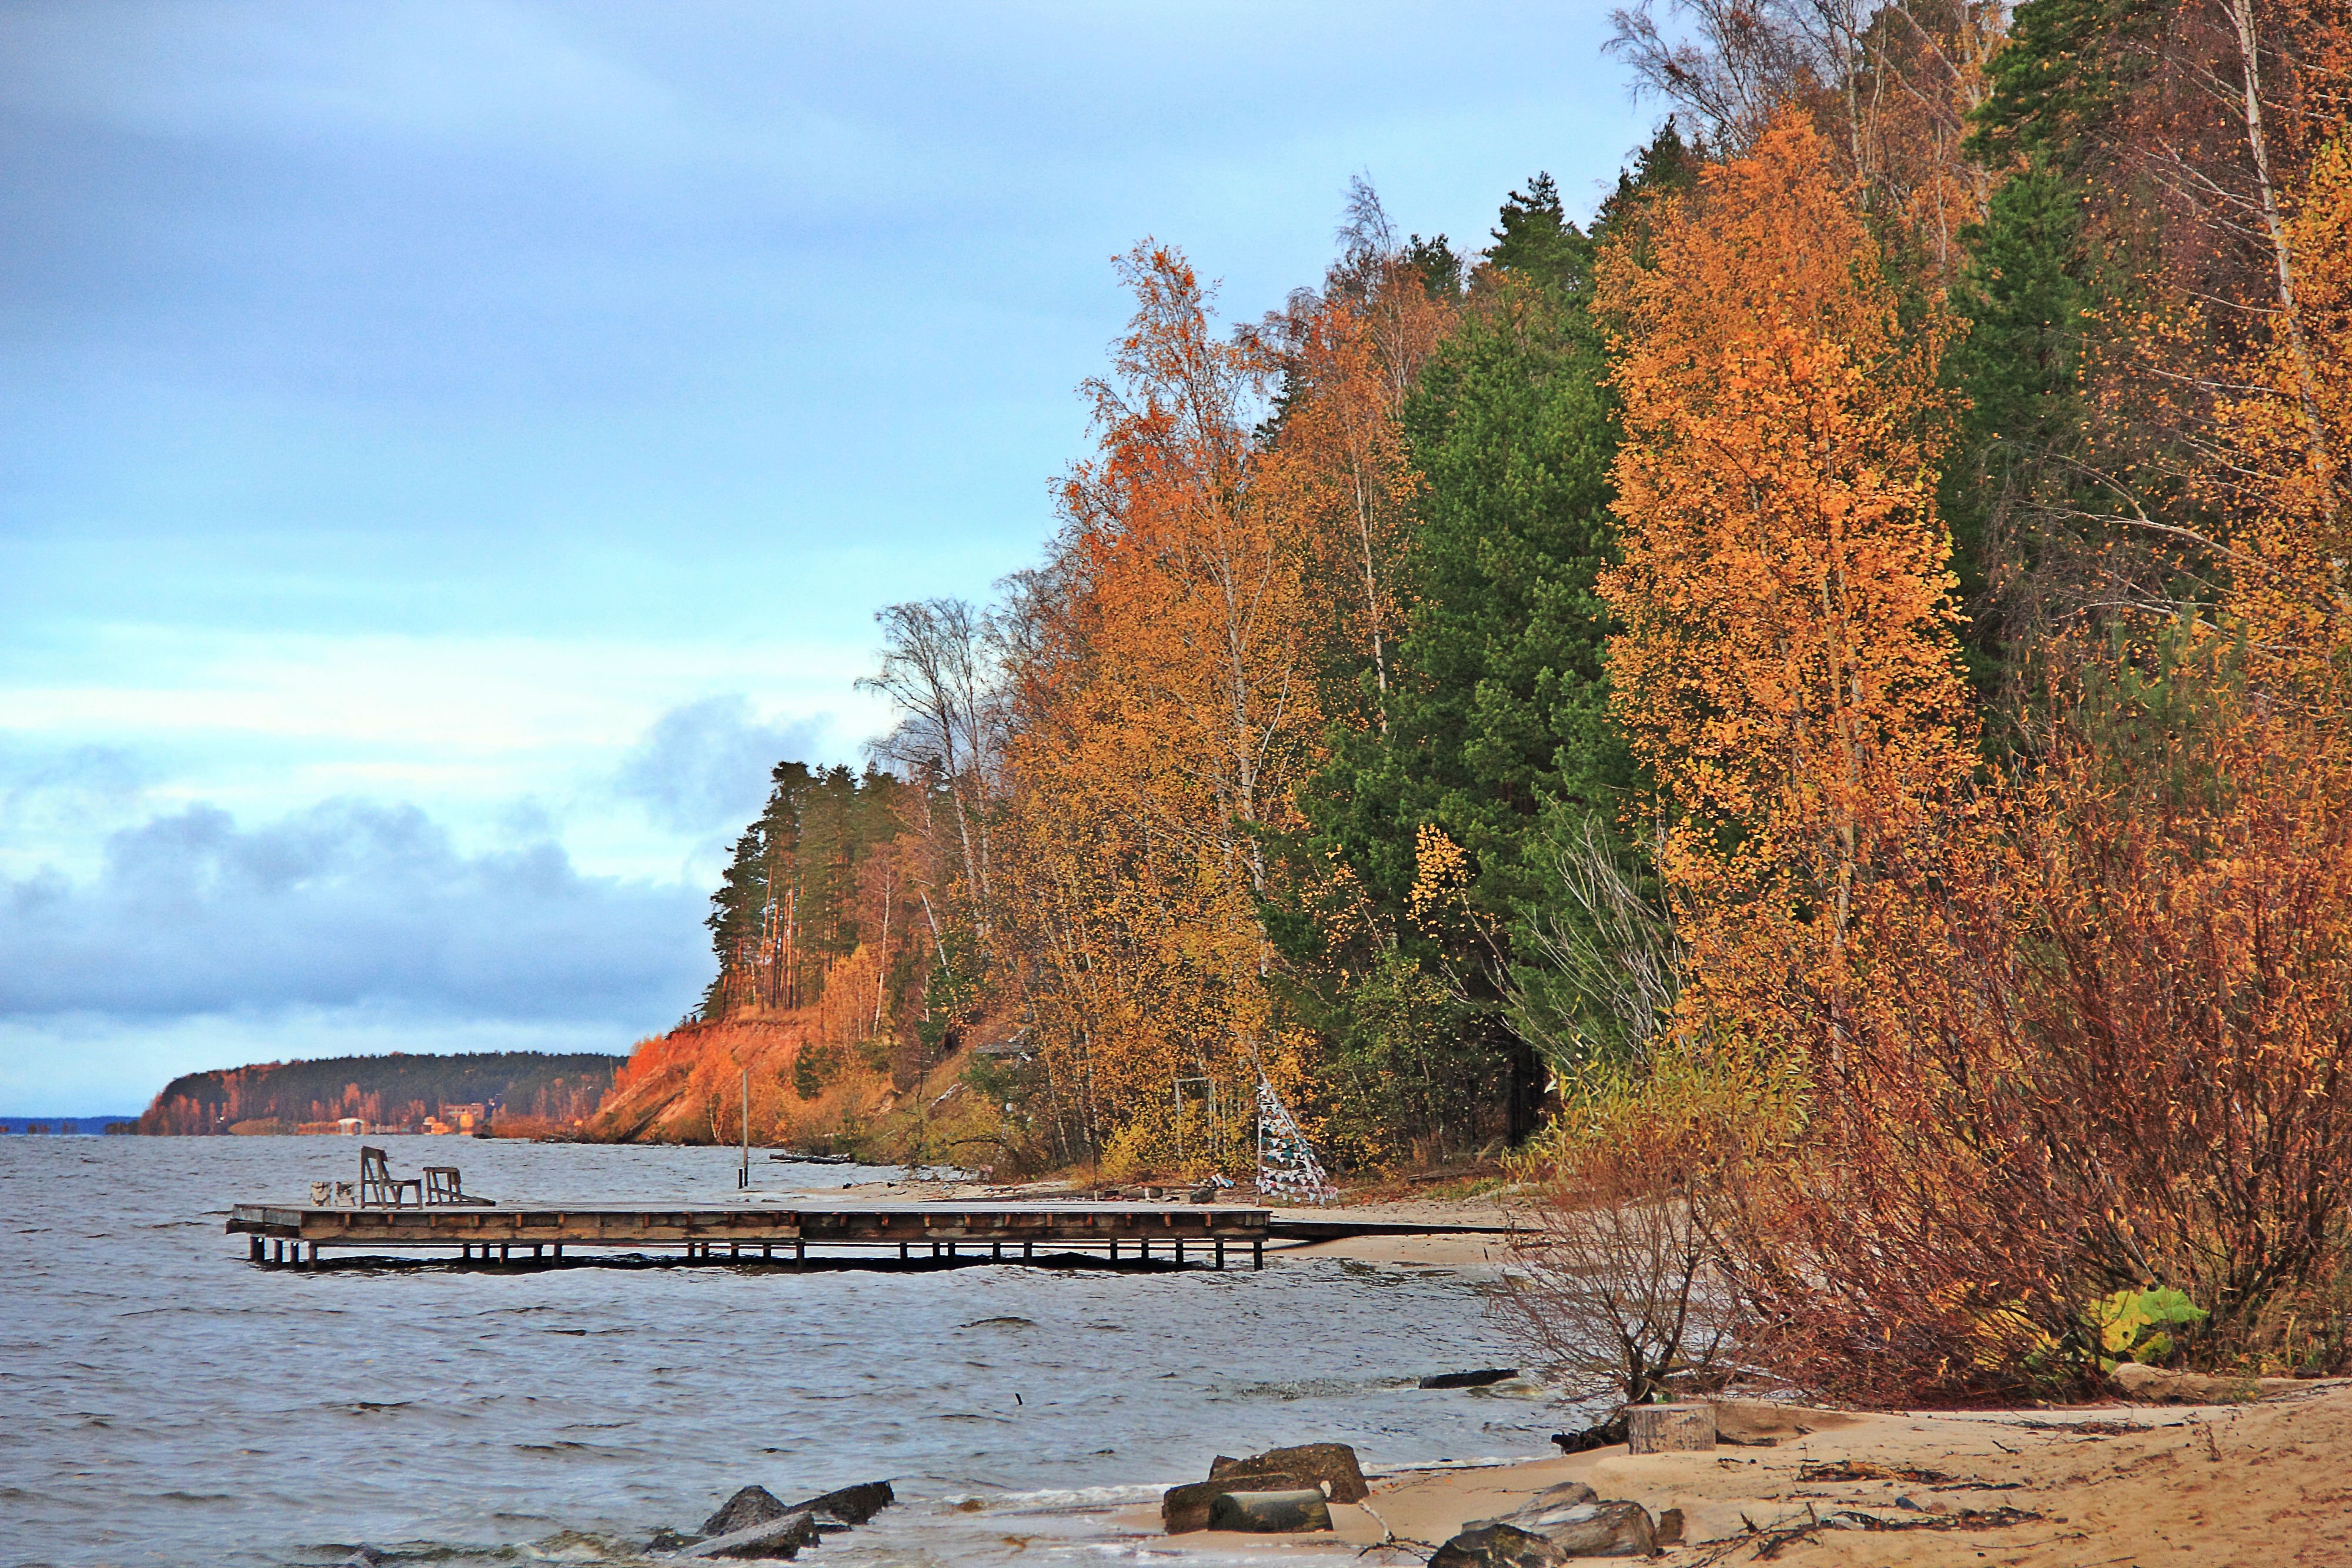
(1501, 748)
(1534, 241)
(786, 905)
(2057, 83)
(2025, 298)
(1439, 265)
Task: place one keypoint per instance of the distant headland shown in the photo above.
(513, 1091)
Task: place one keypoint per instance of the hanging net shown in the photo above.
(1286, 1166)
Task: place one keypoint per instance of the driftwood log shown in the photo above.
(1669, 1428)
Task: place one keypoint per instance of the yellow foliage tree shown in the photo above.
(1165, 708)
(1787, 664)
(2284, 433)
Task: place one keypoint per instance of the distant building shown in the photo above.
(469, 1120)
(346, 1126)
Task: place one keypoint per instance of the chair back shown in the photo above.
(375, 1176)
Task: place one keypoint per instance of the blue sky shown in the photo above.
(448, 452)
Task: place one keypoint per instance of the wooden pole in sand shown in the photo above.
(1669, 1428)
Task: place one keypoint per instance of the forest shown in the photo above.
(1809, 707)
(524, 1089)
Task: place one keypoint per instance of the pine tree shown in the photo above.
(2018, 370)
(1501, 748)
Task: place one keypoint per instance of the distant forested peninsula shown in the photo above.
(396, 1093)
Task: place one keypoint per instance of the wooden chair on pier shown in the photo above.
(379, 1188)
(442, 1184)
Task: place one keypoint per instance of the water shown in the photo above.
(162, 1400)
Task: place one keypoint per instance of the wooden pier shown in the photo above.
(295, 1234)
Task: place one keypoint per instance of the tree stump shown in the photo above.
(1669, 1428)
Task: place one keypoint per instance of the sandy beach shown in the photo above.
(2247, 1485)
(2244, 1485)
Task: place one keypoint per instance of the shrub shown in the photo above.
(2087, 1039)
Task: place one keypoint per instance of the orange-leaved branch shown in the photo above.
(1787, 664)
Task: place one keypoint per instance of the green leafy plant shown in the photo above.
(2139, 1325)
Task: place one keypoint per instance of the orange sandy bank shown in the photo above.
(2215, 1486)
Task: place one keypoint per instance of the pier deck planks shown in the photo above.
(859, 1226)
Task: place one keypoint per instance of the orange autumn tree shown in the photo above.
(1787, 669)
(1787, 664)
(2286, 433)
(1165, 708)
(1339, 468)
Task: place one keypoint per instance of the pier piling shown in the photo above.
(533, 1235)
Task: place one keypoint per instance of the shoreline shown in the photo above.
(2263, 1483)
(2252, 1484)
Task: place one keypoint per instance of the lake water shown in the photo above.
(162, 1400)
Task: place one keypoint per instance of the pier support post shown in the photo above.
(902, 1252)
(502, 1251)
(278, 1251)
(1257, 1254)
(996, 1252)
(1114, 1248)
(253, 1248)
(952, 1251)
(536, 1252)
(766, 1250)
(1221, 1254)
(1180, 1252)
(800, 1250)
(558, 1251)
(1027, 1251)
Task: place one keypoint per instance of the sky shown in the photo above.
(449, 453)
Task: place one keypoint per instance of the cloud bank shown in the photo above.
(347, 903)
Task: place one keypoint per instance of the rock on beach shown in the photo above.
(851, 1505)
(1497, 1546)
(750, 1506)
(1186, 1508)
(1331, 1465)
(1271, 1512)
(1579, 1524)
(769, 1539)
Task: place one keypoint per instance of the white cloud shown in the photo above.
(346, 909)
(704, 768)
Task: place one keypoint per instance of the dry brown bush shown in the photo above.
(2088, 1033)
(1619, 1288)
